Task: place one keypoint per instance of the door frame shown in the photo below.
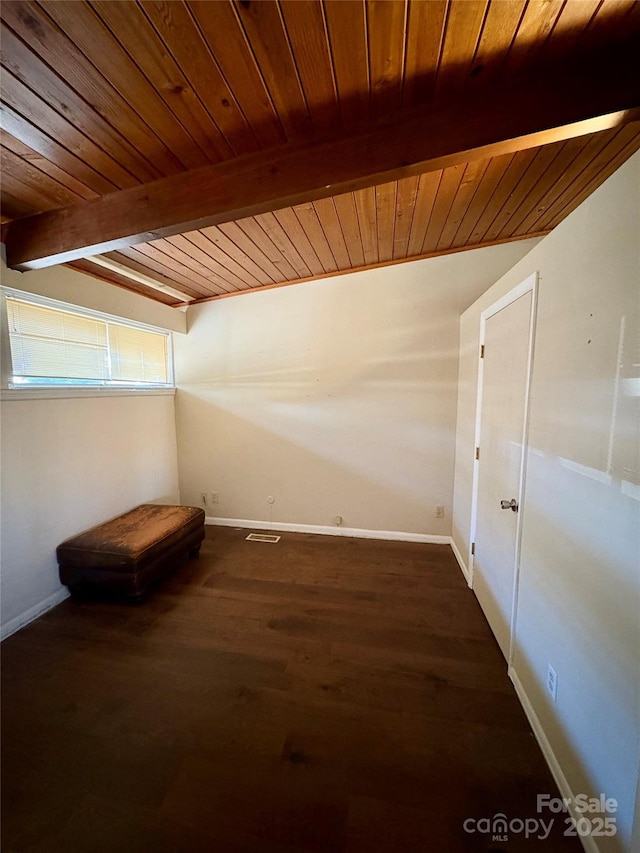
(530, 284)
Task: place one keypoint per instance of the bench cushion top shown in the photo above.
(138, 534)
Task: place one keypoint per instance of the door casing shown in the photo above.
(530, 284)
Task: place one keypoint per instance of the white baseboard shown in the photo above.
(397, 535)
(588, 842)
(355, 532)
(461, 562)
(32, 613)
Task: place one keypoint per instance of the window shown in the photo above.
(54, 344)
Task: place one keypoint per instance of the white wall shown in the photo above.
(335, 397)
(68, 464)
(579, 592)
(77, 288)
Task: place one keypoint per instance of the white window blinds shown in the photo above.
(54, 346)
(137, 355)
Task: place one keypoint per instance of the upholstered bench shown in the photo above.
(127, 553)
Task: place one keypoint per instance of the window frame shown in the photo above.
(74, 388)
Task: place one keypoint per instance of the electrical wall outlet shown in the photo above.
(337, 519)
(213, 497)
(552, 682)
(439, 512)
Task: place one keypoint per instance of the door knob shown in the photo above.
(512, 505)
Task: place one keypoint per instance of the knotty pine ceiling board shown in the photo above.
(100, 96)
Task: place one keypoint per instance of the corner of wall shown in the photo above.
(18, 622)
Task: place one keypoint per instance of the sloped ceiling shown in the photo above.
(218, 147)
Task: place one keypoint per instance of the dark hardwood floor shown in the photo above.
(319, 694)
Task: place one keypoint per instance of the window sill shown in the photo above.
(70, 393)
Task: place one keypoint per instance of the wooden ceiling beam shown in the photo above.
(596, 95)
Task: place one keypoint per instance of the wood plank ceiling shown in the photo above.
(99, 97)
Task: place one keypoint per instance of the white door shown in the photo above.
(501, 436)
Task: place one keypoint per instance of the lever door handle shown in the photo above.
(512, 505)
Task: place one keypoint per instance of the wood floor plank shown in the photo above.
(319, 694)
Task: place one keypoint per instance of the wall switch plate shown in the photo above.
(439, 512)
(552, 682)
